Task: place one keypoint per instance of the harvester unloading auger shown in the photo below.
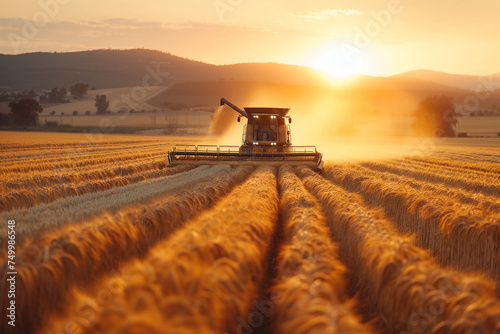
(266, 138)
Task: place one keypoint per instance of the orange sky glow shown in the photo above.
(379, 37)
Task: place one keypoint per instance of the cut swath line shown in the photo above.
(79, 254)
(75, 209)
(398, 280)
(37, 196)
(205, 276)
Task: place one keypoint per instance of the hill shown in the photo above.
(373, 94)
(105, 69)
(184, 83)
(317, 109)
(472, 82)
(128, 68)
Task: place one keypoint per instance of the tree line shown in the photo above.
(56, 94)
(25, 108)
(436, 116)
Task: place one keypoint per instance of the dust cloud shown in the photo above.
(226, 128)
(222, 120)
(342, 126)
(341, 135)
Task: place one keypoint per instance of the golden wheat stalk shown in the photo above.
(310, 292)
(401, 283)
(70, 162)
(77, 176)
(37, 196)
(202, 280)
(458, 234)
(474, 182)
(50, 265)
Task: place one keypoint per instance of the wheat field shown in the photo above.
(110, 240)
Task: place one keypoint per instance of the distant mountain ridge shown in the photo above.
(137, 67)
(464, 81)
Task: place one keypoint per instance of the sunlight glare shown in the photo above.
(337, 65)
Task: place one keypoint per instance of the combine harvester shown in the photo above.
(266, 138)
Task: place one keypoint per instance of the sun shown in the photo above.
(335, 63)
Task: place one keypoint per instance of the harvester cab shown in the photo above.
(266, 137)
(267, 129)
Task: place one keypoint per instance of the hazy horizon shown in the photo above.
(250, 62)
(381, 38)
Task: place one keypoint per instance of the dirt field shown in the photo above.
(395, 236)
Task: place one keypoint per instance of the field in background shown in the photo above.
(118, 97)
(197, 122)
(345, 110)
(172, 122)
(187, 108)
(479, 125)
(398, 234)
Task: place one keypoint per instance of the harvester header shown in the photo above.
(266, 138)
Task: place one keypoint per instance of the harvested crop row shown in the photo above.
(462, 235)
(458, 234)
(351, 177)
(51, 155)
(73, 163)
(75, 209)
(63, 144)
(32, 197)
(474, 166)
(46, 157)
(310, 291)
(38, 178)
(489, 188)
(203, 279)
(77, 152)
(78, 176)
(454, 170)
(37, 164)
(468, 156)
(49, 266)
(398, 281)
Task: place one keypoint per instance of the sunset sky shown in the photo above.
(376, 37)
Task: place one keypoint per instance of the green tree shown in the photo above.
(101, 104)
(436, 117)
(25, 111)
(78, 90)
